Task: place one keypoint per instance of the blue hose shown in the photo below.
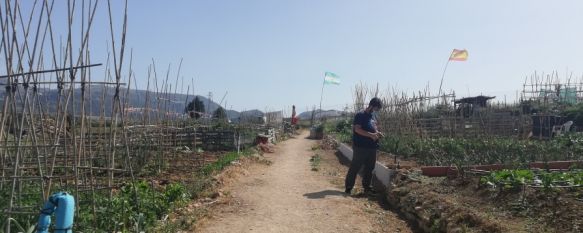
(63, 205)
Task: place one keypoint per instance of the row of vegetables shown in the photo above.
(447, 151)
(512, 179)
(515, 154)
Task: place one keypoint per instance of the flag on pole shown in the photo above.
(331, 78)
(459, 55)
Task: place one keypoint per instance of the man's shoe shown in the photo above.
(348, 191)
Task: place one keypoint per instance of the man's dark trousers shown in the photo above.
(361, 156)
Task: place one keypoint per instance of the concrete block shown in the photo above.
(381, 172)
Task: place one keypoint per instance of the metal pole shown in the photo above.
(442, 76)
(322, 95)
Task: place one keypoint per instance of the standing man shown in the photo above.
(365, 142)
(294, 119)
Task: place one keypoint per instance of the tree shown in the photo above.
(195, 108)
(220, 114)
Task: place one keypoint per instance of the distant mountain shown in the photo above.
(318, 114)
(232, 114)
(254, 112)
(101, 100)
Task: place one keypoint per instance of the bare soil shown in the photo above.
(443, 204)
(463, 205)
(395, 162)
(288, 196)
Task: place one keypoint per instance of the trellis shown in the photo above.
(424, 115)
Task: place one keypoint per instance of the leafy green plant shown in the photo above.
(343, 126)
(222, 162)
(315, 162)
(136, 207)
(19, 222)
(509, 179)
(459, 151)
(133, 207)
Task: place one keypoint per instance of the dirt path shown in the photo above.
(288, 197)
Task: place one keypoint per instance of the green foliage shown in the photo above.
(137, 207)
(176, 192)
(315, 162)
(457, 154)
(223, 161)
(20, 223)
(196, 106)
(17, 227)
(342, 130)
(512, 179)
(509, 179)
(344, 126)
(220, 114)
(134, 208)
(459, 151)
(573, 142)
(469, 151)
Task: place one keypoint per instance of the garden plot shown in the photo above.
(469, 204)
(488, 184)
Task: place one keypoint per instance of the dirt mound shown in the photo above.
(463, 205)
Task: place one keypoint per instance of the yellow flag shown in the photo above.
(459, 55)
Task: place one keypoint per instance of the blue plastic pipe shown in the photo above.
(63, 205)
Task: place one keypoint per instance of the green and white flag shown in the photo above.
(331, 78)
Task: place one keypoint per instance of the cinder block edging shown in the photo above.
(381, 172)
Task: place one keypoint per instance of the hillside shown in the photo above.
(137, 100)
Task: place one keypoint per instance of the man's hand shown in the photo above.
(381, 135)
(374, 136)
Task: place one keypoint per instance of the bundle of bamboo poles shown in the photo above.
(49, 145)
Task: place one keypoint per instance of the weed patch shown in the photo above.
(315, 162)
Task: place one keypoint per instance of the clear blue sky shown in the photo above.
(272, 54)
